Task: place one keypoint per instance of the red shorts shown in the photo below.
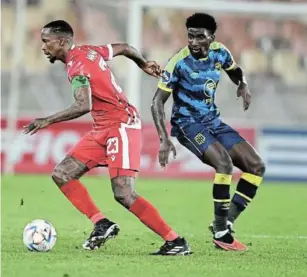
(117, 148)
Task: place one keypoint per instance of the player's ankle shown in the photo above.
(171, 236)
(220, 234)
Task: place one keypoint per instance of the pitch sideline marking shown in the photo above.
(275, 237)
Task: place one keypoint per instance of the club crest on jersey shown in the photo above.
(91, 55)
(209, 88)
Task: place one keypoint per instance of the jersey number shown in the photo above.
(112, 146)
(103, 66)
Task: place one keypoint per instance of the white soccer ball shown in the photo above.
(39, 235)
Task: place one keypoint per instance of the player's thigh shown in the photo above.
(227, 136)
(200, 141)
(68, 169)
(196, 139)
(217, 156)
(123, 151)
(246, 158)
(90, 150)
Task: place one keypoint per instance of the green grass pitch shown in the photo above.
(274, 227)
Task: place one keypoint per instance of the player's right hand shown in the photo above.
(35, 125)
(166, 147)
(152, 69)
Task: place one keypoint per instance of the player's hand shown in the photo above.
(166, 147)
(152, 69)
(244, 92)
(35, 125)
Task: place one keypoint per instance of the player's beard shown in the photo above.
(52, 59)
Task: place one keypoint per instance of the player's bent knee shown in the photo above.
(60, 177)
(225, 166)
(123, 189)
(124, 199)
(258, 168)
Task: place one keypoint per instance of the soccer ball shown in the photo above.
(39, 235)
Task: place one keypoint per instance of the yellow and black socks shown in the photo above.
(221, 198)
(246, 191)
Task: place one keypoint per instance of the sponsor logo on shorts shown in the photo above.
(200, 138)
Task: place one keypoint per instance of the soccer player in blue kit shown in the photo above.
(191, 76)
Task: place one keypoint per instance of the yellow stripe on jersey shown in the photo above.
(183, 53)
(164, 87)
(217, 45)
(231, 67)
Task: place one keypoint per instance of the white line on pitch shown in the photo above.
(275, 237)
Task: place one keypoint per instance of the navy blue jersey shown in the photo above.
(193, 83)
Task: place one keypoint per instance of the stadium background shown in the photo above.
(271, 47)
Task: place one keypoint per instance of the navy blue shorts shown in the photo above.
(197, 137)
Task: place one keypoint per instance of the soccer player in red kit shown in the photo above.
(115, 140)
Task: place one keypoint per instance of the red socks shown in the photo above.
(150, 216)
(78, 195)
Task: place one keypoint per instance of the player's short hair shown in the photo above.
(202, 20)
(60, 27)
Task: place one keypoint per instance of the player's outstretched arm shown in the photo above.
(158, 114)
(80, 107)
(149, 67)
(236, 74)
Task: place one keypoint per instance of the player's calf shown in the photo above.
(124, 193)
(66, 175)
(246, 189)
(217, 156)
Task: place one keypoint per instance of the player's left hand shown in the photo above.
(166, 147)
(244, 92)
(35, 125)
(152, 69)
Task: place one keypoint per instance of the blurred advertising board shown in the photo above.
(40, 153)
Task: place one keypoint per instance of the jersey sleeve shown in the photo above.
(78, 72)
(170, 76)
(106, 51)
(78, 67)
(227, 60)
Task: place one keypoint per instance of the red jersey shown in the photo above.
(109, 106)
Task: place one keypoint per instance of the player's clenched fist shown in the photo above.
(166, 147)
(35, 125)
(244, 92)
(152, 68)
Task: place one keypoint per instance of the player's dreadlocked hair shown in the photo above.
(60, 27)
(202, 20)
